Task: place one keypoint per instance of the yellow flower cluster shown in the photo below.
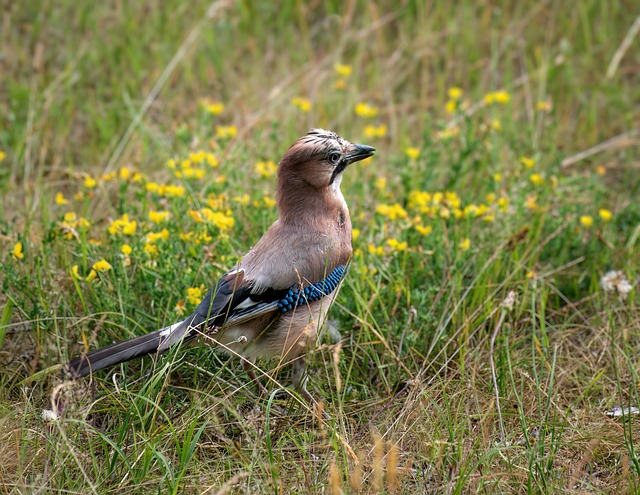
(343, 72)
(158, 216)
(302, 103)
(365, 110)
(448, 204)
(165, 190)
(266, 168)
(224, 221)
(212, 107)
(153, 237)
(194, 295)
(98, 267)
(199, 237)
(412, 152)
(17, 251)
(392, 212)
(71, 223)
(373, 131)
(123, 226)
(454, 94)
(497, 97)
(226, 131)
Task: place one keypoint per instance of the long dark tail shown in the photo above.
(115, 354)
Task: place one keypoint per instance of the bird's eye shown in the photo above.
(334, 157)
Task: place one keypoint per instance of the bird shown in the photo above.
(273, 302)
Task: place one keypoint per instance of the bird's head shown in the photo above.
(318, 160)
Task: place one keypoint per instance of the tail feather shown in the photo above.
(117, 353)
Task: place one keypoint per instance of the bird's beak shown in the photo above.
(359, 152)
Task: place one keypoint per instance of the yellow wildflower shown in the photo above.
(74, 272)
(527, 162)
(150, 250)
(226, 131)
(393, 212)
(355, 233)
(102, 266)
(95, 242)
(158, 216)
(340, 84)
(489, 218)
(420, 200)
(497, 177)
(60, 199)
(503, 204)
(3, 155)
(381, 183)
(536, 179)
(451, 106)
(153, 237)
(126, 249)
(497, 97)
(470, 210)
(266, 169)
(212, 107)
(92, 275)
(496, 125)
(532, 274)
(216, 202)
(452, 199)
(193, 173)
(454, 93)
(424, 229)
(108, 177)
(269, 201)
(586, 221)
(396, 245)
(152, 186)
(90, 182)
(221, 220)
(170, 191)
(375, 250)
(412, 153)
(122, 225)
(343, 70)
(242, 200)
(372, 131)
(124, 173)
(365, 110)
(211, 160)
(78, 196)
(465, 244)
(194, 295)
(605, 214)
(302, 103)
(601, 170)
(491, 198)
(17, 251)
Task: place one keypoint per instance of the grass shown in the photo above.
(480, 356)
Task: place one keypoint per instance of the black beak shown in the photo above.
(360, 152)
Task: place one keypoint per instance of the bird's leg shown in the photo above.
(247, 366)
(300, 378)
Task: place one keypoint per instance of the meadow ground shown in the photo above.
(473, 348)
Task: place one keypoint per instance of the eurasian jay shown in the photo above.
(273, 302)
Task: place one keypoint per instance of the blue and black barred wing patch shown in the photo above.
(233, 302)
